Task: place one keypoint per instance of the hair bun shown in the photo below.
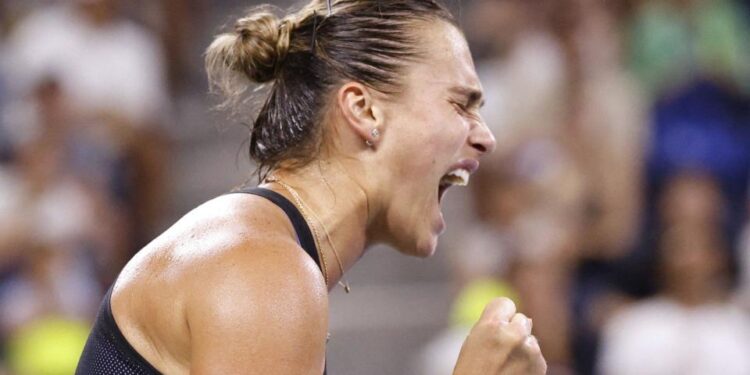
(263, 41)
(256, 48)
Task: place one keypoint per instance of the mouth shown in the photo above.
(458, 175)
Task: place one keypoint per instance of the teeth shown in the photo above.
(458, 177)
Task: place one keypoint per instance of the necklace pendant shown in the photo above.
(346, 287)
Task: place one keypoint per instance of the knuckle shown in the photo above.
(492, 325)
(511, 335)
(500, 308)
(533, 349)
(523, 320)
(520, 315)
(519, 327)
(507, 303)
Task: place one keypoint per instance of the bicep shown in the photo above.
(273, 323)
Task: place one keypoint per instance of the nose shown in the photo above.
(481, 138)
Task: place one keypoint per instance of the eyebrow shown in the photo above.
(474, 96)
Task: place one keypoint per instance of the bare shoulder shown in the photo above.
(248, 238)
(230, 233)
(261, 302)
(241, 290)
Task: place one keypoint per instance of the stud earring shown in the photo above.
(375, 133)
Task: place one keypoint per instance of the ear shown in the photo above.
(360, 111)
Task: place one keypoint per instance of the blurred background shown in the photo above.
(615, 211)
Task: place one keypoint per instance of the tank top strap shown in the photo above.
(304, 235)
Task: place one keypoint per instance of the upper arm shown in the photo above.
(266, 315)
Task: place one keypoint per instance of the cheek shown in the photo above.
(445, 126)
(449, 133)
(429, 139)
(433, 146)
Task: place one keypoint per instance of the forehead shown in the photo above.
(447, 61)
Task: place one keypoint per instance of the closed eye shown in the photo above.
(467, 109)
(468, 97)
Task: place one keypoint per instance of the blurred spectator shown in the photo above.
(693, 199)
(691, 326)
(688, 197)
(571, 125)
(523, 71)
(701, 127)
(674, 41)
(607, 129)
(62, 229)
(104, 63)
(606, 132)
(576, 179)
(74, 168)
(113, 73)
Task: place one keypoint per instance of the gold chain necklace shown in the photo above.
(303, 209)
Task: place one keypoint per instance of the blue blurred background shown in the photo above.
(615, 211)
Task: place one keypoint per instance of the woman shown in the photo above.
(371, 114)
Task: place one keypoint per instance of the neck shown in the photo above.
(335, 207)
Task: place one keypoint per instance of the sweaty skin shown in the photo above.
(227, 289)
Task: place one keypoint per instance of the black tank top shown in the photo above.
(108, 352)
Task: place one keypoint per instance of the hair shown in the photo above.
(303, 57)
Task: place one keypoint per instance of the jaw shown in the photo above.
(413, 220)
(415, 232)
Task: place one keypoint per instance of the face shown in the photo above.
(691, 257)
(433, 137)
(691, 198)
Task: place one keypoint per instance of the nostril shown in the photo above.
(480, 147)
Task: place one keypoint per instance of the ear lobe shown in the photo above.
(359, 111)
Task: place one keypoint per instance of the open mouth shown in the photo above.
(459, 177)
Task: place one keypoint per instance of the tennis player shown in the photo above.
(370, 113)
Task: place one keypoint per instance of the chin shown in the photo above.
(422, 247)
(421, 239)
(425, 247)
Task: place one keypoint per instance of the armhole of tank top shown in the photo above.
(119, 338)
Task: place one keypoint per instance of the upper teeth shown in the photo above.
(458, 177)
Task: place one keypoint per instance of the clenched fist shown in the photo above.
(501, 344)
